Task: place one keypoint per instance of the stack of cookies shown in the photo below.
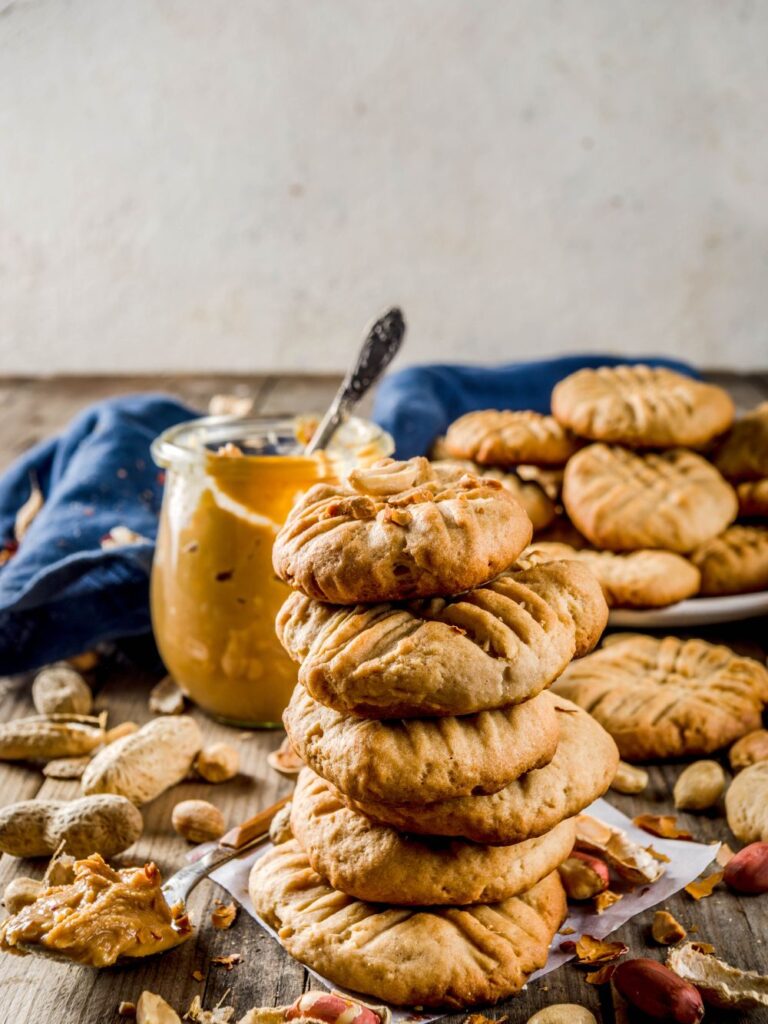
(442, 775)
(641, 505)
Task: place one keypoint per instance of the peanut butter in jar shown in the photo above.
(230, 484)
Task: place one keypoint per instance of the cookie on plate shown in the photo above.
(537, 504)
(421, 758)
(438, 956)
(736, 562)
(623, 501)
(497, 645)
(639, 579)
(746, 804)
(397, 530)
(743, 455)
(581, 770)
(668, 698)
(641, 406)
(504, 437)
(753, 498)
(378, 863)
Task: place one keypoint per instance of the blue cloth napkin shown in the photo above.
(416, 404)
(61, 594)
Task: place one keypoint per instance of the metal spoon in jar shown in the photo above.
(177, 888)
(379, 348)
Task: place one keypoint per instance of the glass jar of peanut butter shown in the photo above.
(229, 486)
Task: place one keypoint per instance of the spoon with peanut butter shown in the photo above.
(103, 916)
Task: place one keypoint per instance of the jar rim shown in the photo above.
(190, 440)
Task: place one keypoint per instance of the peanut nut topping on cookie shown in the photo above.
(399, 530)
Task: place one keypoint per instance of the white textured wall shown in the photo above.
(240, 184)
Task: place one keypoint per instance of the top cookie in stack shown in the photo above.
(442, 778)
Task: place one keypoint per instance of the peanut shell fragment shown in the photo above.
(60, 689)
(666, 929)
(721, 984)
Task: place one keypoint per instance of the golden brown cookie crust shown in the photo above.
(753, 498)
(743, 455)
(581, 771)
(668, 698)
(421, 758)
(736, 562)
(504, 437)
(443, 957)
(624, 501)
(538, 506)
(639, 579)
(397, 530)
(497, 645)
(641, 406)
(378, 863)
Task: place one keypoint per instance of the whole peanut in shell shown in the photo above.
(93, 824)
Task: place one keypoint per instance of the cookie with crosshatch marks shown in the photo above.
(641, 406)
(421, 758)
(637, 579)
(581, 770)
(378, 863)
(743, 454)
(665, 698)
(507, 437)
(623, 500)
(422, 956)
(753, 498)
(499, 644)
(399, 530)
(736, 562)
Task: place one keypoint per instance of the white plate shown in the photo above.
(699, 611)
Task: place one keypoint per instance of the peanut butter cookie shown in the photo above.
(378, 863)
(421, 758)
(398, 530)
(641, 406)
(447, 957)
(503, 437)
(668, 698)
(537, 504)
(753, 498)
(624, 501)
(500, 644)
(736, 562)
(640, 579)
(581, 771)
(743, 455)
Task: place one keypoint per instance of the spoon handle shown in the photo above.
(377, 352)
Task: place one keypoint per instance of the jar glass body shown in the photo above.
(229, 486)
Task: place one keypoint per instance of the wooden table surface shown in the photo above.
(34, 991)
